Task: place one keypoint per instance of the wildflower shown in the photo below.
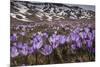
(14, 51)
(46, 50)
(62, 39)
(89, 43)
(24, 49)
(37, 42)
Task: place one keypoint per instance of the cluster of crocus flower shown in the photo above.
(77, 38)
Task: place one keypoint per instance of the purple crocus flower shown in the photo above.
(54, 40)
(30, 50)
(77, 37)
(45, 34)
(91, 36)
(36, 45)
(86, 29)
(89, 43)
(68, 39)
(13, 37)
(24, 50)
(83, 35)
(19, 45)
(14, 51)
(46, 50)
(76, 30)
(62, 39)
(37, 42)
(79, 44)
(74, 36)
(38, 37)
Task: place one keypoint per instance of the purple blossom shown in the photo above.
(13, 37)
(45, 34)
(38, 37)
(37, 42)
(62, 39)
(74, 36)
(30, 50)
(76, 30)
(79, 44)
(19, 45)
(86, 29)
(83, 35)
(54, 40)
(14, 51)
(46, 50)
(24, 50)
(90, 36)
(68, 39)
(37, 45)
(77, 37)
(89, 43)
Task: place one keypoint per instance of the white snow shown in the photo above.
(23, 17)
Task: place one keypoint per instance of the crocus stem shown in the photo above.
(59, 54)
(36, 58)
(48, 59)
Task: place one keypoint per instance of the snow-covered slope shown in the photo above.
(28, 11)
